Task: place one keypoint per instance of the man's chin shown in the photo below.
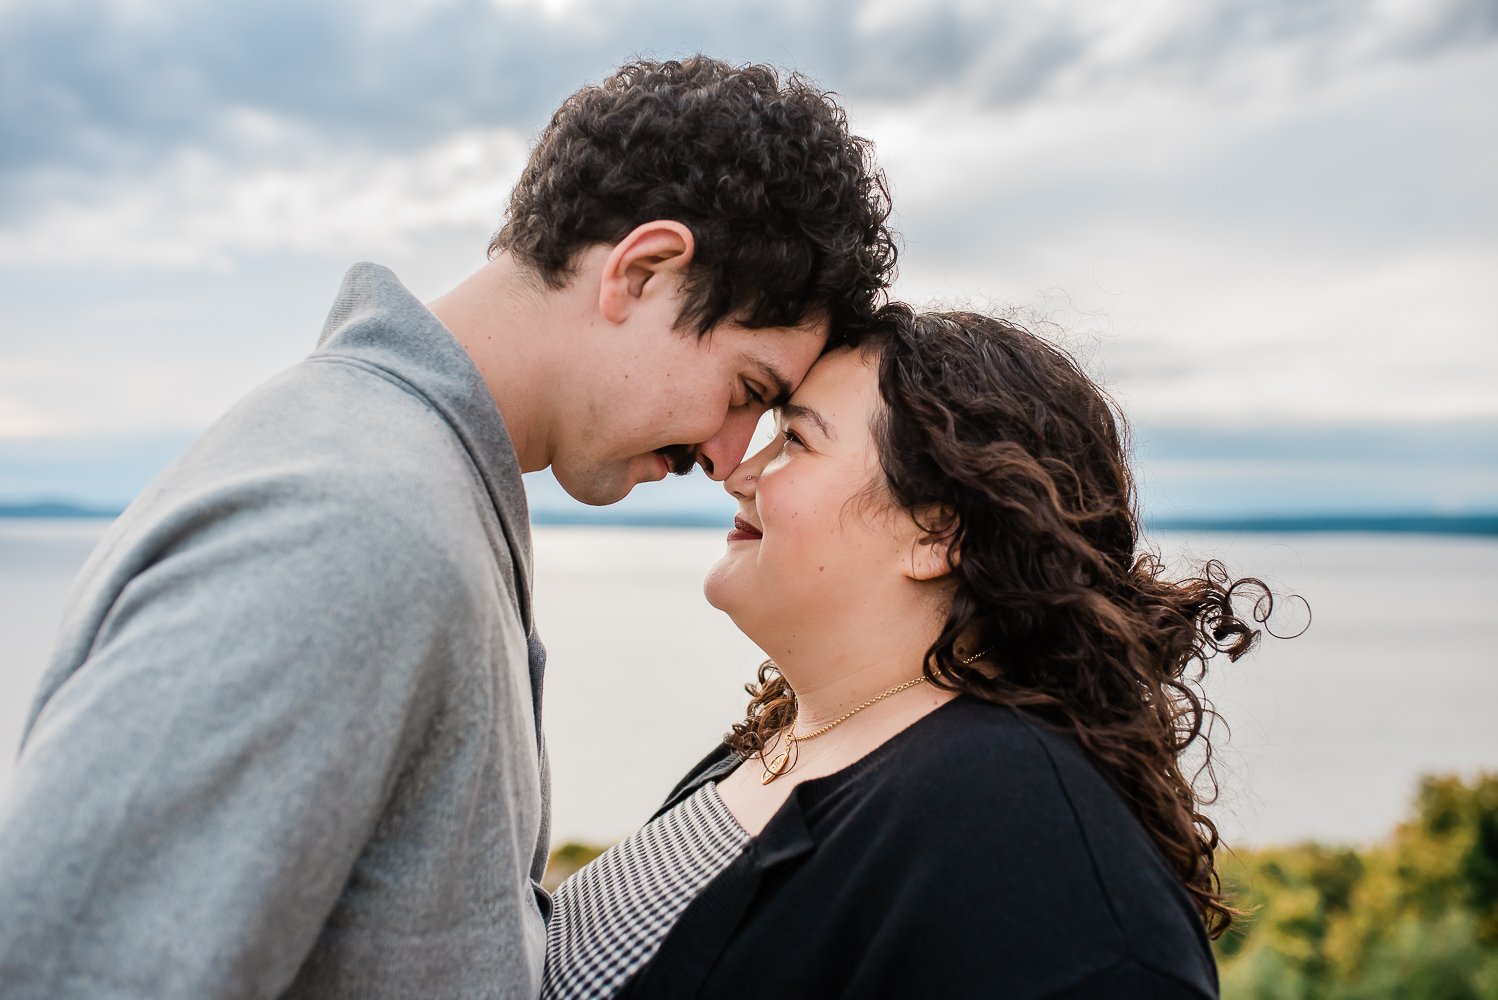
(596, 491)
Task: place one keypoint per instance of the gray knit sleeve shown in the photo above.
(194, 791)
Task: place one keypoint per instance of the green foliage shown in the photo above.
(565, 860)
(1415, 916)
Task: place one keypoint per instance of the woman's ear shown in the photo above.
(650, 251)
(933, 552)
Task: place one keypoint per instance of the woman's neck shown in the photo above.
(832, 678)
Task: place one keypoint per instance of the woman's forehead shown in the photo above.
(838, 378)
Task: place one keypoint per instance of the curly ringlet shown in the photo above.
(786, 207)
(1025, 458)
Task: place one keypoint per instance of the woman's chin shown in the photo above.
(717, 586)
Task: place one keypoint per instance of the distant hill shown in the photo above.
(549, 510)
(54, 508)
(604, 517)
(1388, 524)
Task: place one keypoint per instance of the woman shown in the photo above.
(961, 771)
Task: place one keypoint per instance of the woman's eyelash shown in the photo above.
(791, 436)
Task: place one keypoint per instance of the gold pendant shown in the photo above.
(776, 767)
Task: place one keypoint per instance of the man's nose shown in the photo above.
(743, 483)
(720, 454)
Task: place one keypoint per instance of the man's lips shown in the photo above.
(744, 531)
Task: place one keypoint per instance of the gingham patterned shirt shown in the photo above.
(610, 918)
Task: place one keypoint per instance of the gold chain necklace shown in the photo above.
(784, 761)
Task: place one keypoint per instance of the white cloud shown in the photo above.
(202, 209)
(1239, 211)
(1227, 257)
(1210, 326)
(20, 421)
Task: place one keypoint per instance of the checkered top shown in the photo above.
(610, 918)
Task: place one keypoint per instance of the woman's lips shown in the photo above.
(743, 531)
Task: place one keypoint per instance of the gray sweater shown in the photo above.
(289, 743)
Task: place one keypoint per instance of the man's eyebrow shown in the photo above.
(778, 386)
(797, 410)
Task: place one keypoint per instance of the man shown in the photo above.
(290, 741)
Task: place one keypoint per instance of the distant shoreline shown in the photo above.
(51, 509)
(1482, 525)
(1390, 524)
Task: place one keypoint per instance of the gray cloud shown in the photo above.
(1387, 172)
(94, 86)
(90, 84)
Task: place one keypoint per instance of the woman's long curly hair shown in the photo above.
(1025, 459)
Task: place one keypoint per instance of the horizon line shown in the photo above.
(1479, 523)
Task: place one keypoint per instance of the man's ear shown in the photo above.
(637, 265)
(933, 553)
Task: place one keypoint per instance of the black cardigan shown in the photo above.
(974, 854)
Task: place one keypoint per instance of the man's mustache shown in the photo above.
(680, 457)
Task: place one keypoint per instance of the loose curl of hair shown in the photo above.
(1025, 459)
(786, 208)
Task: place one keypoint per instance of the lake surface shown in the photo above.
(1330, 731)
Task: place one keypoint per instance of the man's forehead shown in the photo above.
(778, 384)
(785, 364)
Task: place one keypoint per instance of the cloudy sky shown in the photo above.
(1270, 226)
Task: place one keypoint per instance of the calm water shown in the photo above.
(1329, 731)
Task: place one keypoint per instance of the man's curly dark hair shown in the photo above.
(786, 207)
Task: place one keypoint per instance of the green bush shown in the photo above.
(565, 860)
(1415, 916)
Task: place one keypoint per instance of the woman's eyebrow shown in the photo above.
(797, 410)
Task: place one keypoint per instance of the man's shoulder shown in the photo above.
(333, 431)
(341, 409)
(326, 507)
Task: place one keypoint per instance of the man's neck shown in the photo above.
(514, 329)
